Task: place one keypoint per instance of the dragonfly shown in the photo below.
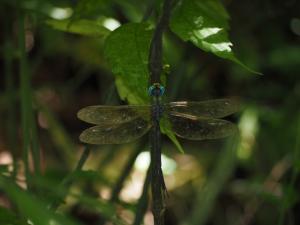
(189, 120)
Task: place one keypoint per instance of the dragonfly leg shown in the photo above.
(163, 186)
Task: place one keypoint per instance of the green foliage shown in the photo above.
(56, 196)
(126, 50)
(90, 8)
(205, 24)
(30, 208)
(82, 26)
(75, 73)
(7, 217)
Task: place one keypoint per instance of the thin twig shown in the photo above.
(67, 181)
(158, 188)
(155, 56)
(10, 89)
(29, 132)
(24, 91)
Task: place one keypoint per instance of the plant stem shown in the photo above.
(29, 126)
(35, 143)
(85, 154)
(158, 188)
(67, 181)
(9, 85)
(24, 91)
(155, 56)
(157, 179)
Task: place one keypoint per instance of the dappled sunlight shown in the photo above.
(248, 127)
(127, 216)
(6, 161)
(148, 219)
(133, 187)
(178, 171)
(5, 158)
(7, 165)
(105, 193)
(61, 13)
(53, 222)
(143, 161)
(188, 169)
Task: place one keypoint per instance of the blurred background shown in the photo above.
(253, 179)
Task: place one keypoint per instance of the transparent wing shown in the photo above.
(115, 133)
(217, 108)
(101, 114)
(195, 128)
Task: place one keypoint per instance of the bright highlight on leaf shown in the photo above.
(111, 24)
(205, 24)
(248, 127)
(143, 161)
(206, 32)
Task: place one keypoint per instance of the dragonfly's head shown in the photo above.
(156, 89)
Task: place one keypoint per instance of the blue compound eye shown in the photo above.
(156, 90)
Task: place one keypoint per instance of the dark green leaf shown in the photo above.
(205, 24)
(60, 192)
(82, 26)
(7, 217)
(31, 208)
(126, 50)
(91, 8)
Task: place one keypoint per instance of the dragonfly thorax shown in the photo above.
(157, 111)
(156, 90)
